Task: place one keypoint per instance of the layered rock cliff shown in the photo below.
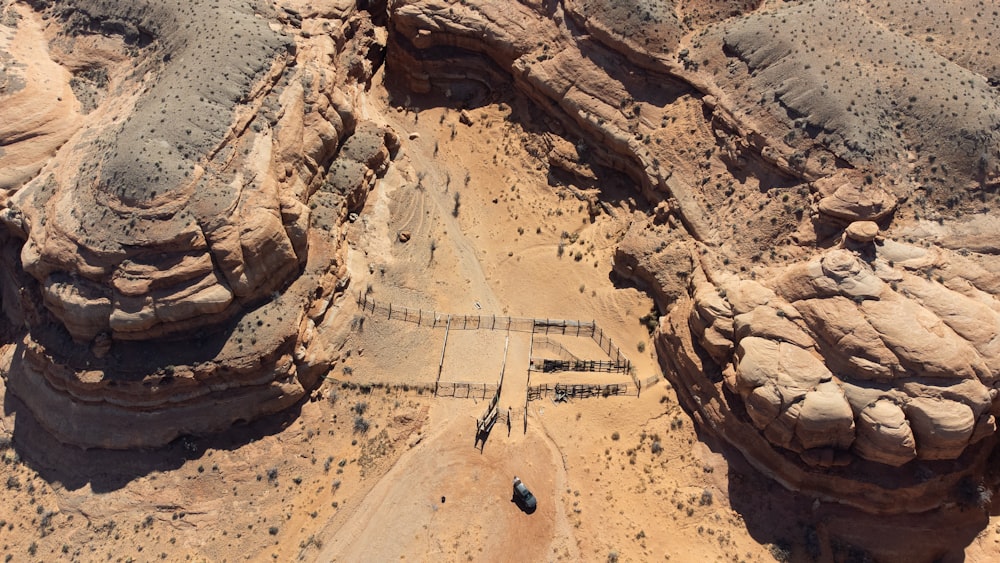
(169, 261)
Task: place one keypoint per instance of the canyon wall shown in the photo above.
(168, 261)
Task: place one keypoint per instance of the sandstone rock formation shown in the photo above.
(182, 212)
(884, 355)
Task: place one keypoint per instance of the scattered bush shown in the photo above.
(361, 425)
(780, 552)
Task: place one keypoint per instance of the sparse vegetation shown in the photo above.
(361, 424)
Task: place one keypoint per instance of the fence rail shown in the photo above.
(557, 349)
(549, 366)
(465, 390)
(576, 391)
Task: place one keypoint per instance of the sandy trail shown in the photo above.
(416, 164)
(445, 500)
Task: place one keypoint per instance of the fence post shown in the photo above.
(420, 316)
(390, 310)
(441, 363)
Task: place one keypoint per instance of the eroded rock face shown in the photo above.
(182, 207)
(851, 359)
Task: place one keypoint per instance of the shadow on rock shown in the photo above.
(797, 527)
(110, 470)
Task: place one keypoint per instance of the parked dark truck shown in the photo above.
(523, 497)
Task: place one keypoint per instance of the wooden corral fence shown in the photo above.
(551, 348)
(579, 390)
(549, 366)
(466, 390)
(435, 319)
(370, 386)
(485, 423)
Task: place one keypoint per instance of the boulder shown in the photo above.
(862, 231)
(853, 202)
(826, 419)
(942, 428)
(884, 435)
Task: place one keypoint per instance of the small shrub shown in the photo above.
(971, 494)
(360, 408)
(615, 436)
(273, 530)
(361, 425)
(780, 552)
